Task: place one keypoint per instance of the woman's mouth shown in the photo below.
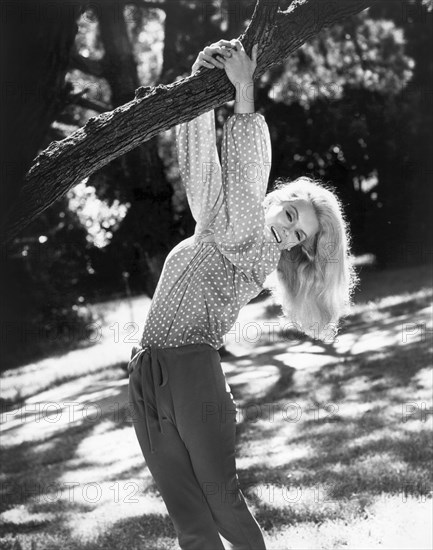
(276, 235)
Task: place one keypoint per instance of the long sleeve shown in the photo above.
(200, 168)
(246, 165)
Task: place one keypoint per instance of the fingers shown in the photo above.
(213, 50)
(237, 45)
(213, 55)
(218, 53)
(221, 44)
(226, 43)
(208, 61)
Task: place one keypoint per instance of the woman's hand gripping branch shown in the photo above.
(231, 56)
(208, 56)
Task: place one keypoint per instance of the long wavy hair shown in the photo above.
(314, 281)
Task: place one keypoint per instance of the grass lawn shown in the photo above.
(334, 440)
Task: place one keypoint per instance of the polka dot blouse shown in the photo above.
(208, 277)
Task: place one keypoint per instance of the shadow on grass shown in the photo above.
(35, 472)
(147, 532)
(31, 471)
(354, 453)
(382, 445)
(7, 405)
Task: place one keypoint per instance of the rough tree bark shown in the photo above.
(64, 164)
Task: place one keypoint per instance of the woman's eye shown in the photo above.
(298, 236)
(288, 215)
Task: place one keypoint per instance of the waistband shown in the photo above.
(170, 348)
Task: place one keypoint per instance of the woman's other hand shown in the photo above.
(239, 67)
(212, 55)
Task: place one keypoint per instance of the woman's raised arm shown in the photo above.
(197, 155)
(246, 164)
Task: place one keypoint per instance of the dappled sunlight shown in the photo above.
(353, 409)
(21, 518)
(387, 523)
(305, 356)
(278, 452)
(348, 418)
(390, 331)
(253, 380)
(99, 218)
(80, 401)
(110, 344)
(112, 449)
(103, 476)
(333, 439)
(111, 500)
(302, 84)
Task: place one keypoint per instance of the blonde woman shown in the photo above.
(183, 411)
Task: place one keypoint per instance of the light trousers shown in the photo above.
(184, 417)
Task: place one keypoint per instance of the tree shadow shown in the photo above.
(35, 471)
(357, 457)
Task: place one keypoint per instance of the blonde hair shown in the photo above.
(314, 281)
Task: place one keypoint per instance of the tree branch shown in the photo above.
(155, 109)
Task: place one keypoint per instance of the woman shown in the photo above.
(183, 412)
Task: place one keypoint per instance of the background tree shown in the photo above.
(36, 40)
(138, 178)
(350, 107)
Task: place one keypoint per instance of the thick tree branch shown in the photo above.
(155, 109)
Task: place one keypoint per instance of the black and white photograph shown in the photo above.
(216, 248)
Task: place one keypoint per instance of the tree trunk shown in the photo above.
(172, 52)
(37, 38)
(180, 48)
(142, 174)
(64, 164)
(119, 66)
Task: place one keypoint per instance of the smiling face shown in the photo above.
(291, 222)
